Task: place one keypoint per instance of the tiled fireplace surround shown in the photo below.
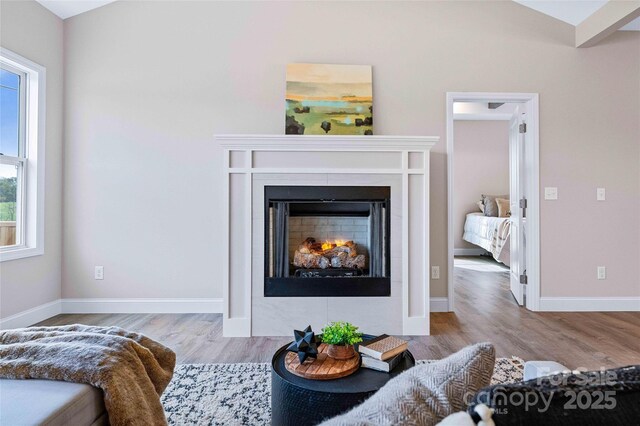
(252, 162)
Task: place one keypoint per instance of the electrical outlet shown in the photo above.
(550, 193)
(602, 272)
(99, 273)
(601, 194)
(435, 272)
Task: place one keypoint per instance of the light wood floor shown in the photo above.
(484, 311)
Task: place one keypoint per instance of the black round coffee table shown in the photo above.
(299, 401)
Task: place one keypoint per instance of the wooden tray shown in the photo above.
(323, 367)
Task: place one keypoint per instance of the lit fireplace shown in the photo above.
(339, 254)
(327, 241)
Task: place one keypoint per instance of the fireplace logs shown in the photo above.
(310, 260)
(312, 254)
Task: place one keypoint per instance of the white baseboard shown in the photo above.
(31, 316)
(214, 305)
(142, 306)
(439, 304)
(469, 251)
(111, 306)
(589, 304)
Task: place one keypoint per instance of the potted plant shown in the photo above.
(340, 337)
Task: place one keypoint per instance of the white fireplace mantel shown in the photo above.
(253, 161)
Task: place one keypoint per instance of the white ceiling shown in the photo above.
(68, 8)
(573, 11)
(632, 26)
(570, 11)
(481, 111)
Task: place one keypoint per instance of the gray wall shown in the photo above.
(32, 31)
(148, 84)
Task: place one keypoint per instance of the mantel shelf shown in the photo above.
(327, 143)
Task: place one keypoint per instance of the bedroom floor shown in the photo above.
(479, 264)
(481, 278)
(484, 311)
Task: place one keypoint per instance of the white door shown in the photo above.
(516, 194)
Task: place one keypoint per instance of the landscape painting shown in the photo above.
(329, 100)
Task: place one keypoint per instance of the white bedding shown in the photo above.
(485, 231)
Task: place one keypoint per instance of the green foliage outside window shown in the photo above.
(8, 199)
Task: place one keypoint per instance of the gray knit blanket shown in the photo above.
(131, 369)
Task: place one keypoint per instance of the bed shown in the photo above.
(490, 233)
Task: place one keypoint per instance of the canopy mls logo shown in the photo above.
(592, 390)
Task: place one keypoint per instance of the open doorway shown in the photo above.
(492, 149)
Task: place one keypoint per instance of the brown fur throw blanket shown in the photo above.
(131, 369)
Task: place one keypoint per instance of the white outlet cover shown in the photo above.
(601, 194)
(602, 272)
(550, 193)
(435, 272)
(99, 273)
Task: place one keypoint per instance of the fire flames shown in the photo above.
(329, 245)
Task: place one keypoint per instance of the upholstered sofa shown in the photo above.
(50, 402)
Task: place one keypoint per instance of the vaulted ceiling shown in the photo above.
(571, 12)
(68, 8)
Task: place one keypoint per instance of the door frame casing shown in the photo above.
(532, 170)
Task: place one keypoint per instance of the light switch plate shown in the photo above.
(550, 193)
(601, 194)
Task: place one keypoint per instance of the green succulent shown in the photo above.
(341, 333)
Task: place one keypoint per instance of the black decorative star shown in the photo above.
(305, 343)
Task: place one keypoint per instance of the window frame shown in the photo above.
(31, 158)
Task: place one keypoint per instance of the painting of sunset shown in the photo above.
(329, 100)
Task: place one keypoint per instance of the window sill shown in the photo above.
(20, 253)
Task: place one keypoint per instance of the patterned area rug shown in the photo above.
(240, 394)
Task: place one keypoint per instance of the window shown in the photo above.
(12, 169)
(22, 89)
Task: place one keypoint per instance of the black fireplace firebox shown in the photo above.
(327, 241)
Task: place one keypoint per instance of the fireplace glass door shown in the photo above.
(327, 241)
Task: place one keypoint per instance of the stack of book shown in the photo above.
(383, 353)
